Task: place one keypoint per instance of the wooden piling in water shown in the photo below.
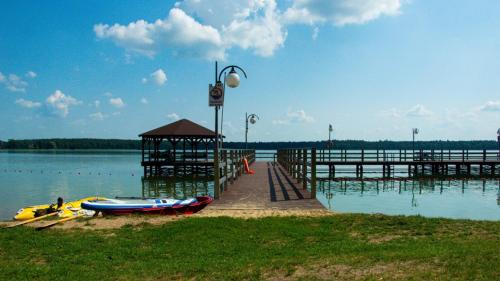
(313, 173)
(304, 168)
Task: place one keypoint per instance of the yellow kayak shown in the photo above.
(65, 209)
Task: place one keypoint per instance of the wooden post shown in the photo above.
(142, 149)
(313, 173)
(232, 166)
(242, 153)
(299, 163)
(226, 174)
(304, 168)
(289, 160)
(242, 169)
(216, 176)
(296, 161)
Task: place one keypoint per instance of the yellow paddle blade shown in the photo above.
(31, 220)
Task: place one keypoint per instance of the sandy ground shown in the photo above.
(113, 222)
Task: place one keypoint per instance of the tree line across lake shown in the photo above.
(337, 144)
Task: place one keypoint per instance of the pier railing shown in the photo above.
(230, 167)
(303, 163)
(405, 156)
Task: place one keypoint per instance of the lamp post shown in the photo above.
(252, 118)
(216, 99)
(330, 130)
(414, 132)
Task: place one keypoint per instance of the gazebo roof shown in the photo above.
(182, 128)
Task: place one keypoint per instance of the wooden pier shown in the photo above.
(271, 187)
(298, 162)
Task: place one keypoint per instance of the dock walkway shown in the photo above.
(271, 187)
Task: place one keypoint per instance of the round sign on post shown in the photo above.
(216, 94)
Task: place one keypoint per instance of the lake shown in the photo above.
(38, 177)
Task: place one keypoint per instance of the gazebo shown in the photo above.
(178, 148)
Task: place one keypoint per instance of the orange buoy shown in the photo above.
(247, 168)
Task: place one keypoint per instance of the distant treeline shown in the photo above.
(359, 144)
(337, 144)
(71, 144)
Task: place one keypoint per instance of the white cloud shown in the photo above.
(97, 103)
(257, 28)
(218, 13)
(298, 116)
(108, 94)
(28, 103)
(419, 111)
(61, 103)
(253, 24)
(144, 80)
(391, 113)
(116, 102)
(173, 116)
(98, 116)
(159, 77)
(13, 83)
(31, 74)
(340, 12)
(208, 29)
(144, 101)
(179, 32)
(492, 106)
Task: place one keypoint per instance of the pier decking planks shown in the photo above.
(268, 188)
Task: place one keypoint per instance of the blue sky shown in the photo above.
(374, 69)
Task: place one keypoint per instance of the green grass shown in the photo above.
(337, 247)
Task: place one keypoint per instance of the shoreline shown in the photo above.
(136, 220)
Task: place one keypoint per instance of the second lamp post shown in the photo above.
(252, 118)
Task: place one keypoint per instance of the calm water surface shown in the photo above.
(28, 178)
(476, 199)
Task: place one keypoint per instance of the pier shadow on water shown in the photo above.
(430, 197)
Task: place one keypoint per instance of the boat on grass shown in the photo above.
(61, 208)
(166, 206)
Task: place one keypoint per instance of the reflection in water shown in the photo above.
(453, 198)
(176, 187)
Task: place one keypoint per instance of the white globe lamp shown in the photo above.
(232, 79)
